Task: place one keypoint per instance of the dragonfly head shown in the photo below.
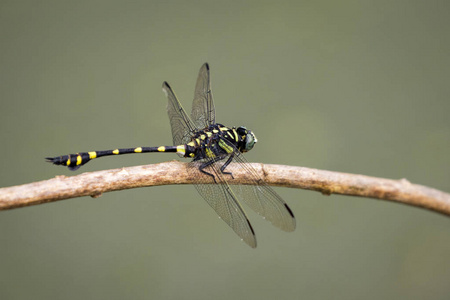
(248, 139)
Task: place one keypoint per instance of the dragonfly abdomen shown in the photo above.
(74, 161)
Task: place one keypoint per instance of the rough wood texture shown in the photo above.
(94, 184)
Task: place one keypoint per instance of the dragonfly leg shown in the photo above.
(222, 168)
(207, 164)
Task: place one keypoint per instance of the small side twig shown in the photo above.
(96, 183)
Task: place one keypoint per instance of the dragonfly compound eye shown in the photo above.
(250, 140)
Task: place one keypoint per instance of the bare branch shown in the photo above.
(95, 184)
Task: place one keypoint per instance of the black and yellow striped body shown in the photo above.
(74, 161)
(218, 140)
(215, 141)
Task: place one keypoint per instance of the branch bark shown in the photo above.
(94, 184)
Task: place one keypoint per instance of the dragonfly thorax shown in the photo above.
(218, 140)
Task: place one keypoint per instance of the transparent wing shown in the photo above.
(203, 112)
(260, 197)
(181, 124)
(221, 198)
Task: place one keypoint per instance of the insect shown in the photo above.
(216, 150)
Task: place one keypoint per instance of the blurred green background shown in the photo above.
(350, 86)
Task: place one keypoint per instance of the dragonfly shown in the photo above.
(216, 150)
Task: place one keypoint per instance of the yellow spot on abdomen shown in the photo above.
(138, 150)
(92, 154)
(116, 151)
(161, 149)
(68, 161)
(181, 150)
(79, 159)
